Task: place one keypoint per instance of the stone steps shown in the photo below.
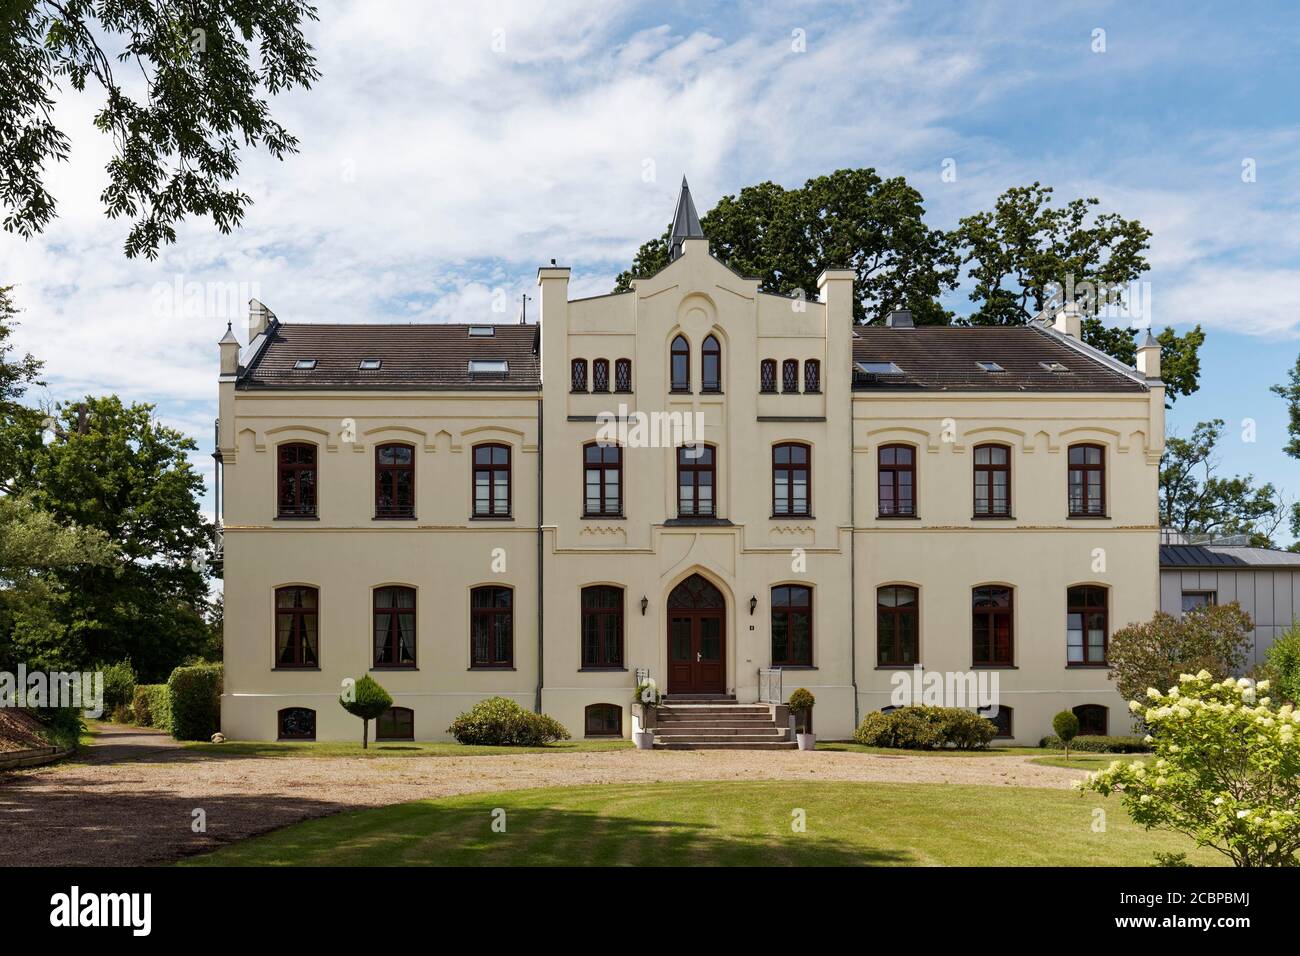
(713, 724)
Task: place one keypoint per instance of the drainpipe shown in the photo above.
(537, 704)
(853, 570)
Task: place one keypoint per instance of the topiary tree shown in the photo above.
(801, 705)
(1066, 726)
(367, 700)
(1226, 773)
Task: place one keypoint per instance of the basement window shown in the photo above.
(1054, 366)
(304, 365)
(990, 366)
(370, 365)
(488, 367)
(481, 331)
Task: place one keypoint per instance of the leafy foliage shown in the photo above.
(1282, 665)
(1097, 744)
(1227, 769)
(499, 721)
(850, 219)
(1066, 726)
(925, 728)
(1194, 500)
(801, 704)
(150, 706)
(1154, 653)
(366, 700)
(175, 144)
(194, 700)
(119, 686)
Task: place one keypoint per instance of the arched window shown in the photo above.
(695, 481)
(602, 480)
(680, 365)
(1087, 481)
(296, 723)
(897, 633)
(600, 375)
(812, 376)
(791, 473)
(296, 480)
(492, 481)
(394, 481)
(492, 628)
(296, 629)
(1000, 715)
(1085, 626)
(790, 376)
(396, 723)
(623, 375)
(992, 480)
(1092, 720)
(767, 375)
(897, 481)
(602, 626)
(792, 626)
(393, 625)
(578, 375)
(991, 626)
(711, 365)
(603, 720)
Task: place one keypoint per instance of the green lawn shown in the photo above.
(848, 746)
(729, 823)
(1086, 761)
(325, 748)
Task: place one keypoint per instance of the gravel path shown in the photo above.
(140, 811)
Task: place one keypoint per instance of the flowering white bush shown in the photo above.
(1226, 770)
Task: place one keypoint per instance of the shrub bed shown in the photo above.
(1099, 745)
(194, 699)
(499, 721)
(151, 706)
(925, 728)
(119, 690)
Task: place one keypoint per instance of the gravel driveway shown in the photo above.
(132, 801)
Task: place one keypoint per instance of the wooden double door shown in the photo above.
(697, 645)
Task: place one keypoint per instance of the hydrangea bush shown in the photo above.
(1226, 770)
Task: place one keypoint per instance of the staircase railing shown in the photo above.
(770, 686)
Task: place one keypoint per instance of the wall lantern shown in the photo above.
(753, 604)
(645, 603)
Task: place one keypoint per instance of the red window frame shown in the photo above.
(396, 723)
(386, 626)
(767, 376)
(489, 464)
(578, 375)
(602, 626)
(690, 474)
(1090, 499)
(602, 720)
(623, 375)
(1090, 602)
(890, 481)
(790, 376)
(391, 500)
(985, 475)
(792, 610)
(1094, 719)
(789, 470)
(295, 714)
(297, 485)
(679, 364)
(993, 621)
(299, 622)
(893, 622)
(600, 375)
(711, 365)
(491, 618)
(600, 462)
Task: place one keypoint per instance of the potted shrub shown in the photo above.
(647, 699)
(801, 705)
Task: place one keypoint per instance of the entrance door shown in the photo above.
(696, 638)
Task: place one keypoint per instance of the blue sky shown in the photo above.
(444, 157)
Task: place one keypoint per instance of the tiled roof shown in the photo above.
(946, 357)
(428, 356)
(1225, 556)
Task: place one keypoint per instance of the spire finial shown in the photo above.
(686, 223)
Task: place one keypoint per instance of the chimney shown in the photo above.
(1148, 357)
(900, 319)
(1068, 321)
(259, 317)
(229, 346)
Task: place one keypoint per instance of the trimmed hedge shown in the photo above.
(152, 706)
(1099, 745)
(119, 688)
(925, 728)
(194, 694)
(500, 722)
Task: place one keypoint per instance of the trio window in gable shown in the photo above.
(767, 375)
(790, 376)
(623, 375)
(578, 375)
(600, 375)
(812, 376)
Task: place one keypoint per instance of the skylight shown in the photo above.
(1054, 366)
(481, 331)
(488, 366)
(369, 365)
(990, 366)
(879, 368)
(304, 365)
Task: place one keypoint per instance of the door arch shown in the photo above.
(697, 645)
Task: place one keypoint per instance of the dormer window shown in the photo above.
(370, 365)
(481, 331)
(479, 368)
(304, 365)
(990, 367)
(1053, 366)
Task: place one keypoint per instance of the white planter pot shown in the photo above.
(644, 740)
(806, 741)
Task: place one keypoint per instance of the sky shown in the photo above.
(448, 152)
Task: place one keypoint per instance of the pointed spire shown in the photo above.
(229, 336)
(686, 223)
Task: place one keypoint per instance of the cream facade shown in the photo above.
(700, 590)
